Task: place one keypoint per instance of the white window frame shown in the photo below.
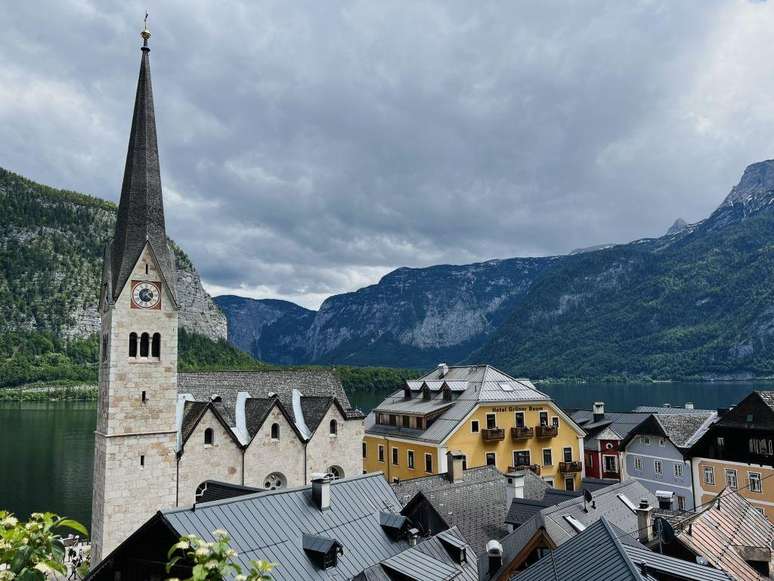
(395, 456)
(410, 460)
(638, 464)
(734, 476)
(549, 481)
(564, 456)
(677, 470)
(551, 456)
(658, 467)
(475, 426)
(487, 420)
(428, 455)
(708, 471)
(756, 489)
(380, 455)
(680, 502)
(486, 459)
(646, 440)
(615, 463)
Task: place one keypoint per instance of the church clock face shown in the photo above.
(146, 295)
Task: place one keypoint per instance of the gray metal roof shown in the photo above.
(417, 405)
(608, 502)
(664, 564)
(270, 525)
(620, 422)
(571, 560)
(428, 560)
(476, 505)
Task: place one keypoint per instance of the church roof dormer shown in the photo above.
(141, 209)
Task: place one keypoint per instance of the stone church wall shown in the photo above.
(221, 461)
(265, 455)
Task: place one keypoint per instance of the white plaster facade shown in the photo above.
(325, 449)
(265, 455)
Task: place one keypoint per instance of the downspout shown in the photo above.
(306, 444)
(244, 449)
(177, 478)
(693, 486)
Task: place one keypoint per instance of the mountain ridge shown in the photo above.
(420, 328)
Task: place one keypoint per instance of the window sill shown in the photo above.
(135, 360)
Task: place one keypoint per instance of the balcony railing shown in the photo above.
(534, 467)
(493, 434)
(611, 474)
(546, 431)
(567, 467)
(522, 433)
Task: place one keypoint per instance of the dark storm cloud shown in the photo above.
(309, 147)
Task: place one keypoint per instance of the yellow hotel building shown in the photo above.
(480, 412)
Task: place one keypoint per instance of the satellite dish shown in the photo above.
(666, 534)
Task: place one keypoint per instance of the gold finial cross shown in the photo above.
(145, 34)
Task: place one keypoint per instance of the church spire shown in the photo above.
(141, 209)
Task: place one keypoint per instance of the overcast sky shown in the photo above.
(308, 148)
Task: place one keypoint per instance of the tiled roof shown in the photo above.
(476, 505)
(721, 530)
(522, 509)
(768, 398)
(262, 383)
(674, 568)
(315, 408)
(192, 413)
(684, 430)
(270, 525)
(672, 411)
(256, 410)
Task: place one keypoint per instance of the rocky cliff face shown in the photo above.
(695, 302)
(410, 318)
(51, 246)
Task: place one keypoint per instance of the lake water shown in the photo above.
(46, 449)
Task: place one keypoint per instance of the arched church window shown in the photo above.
(337, 471)
(209, 437)
(275, 433)
(334, 427)
(144, 344)
(132, 344)
(156, 346)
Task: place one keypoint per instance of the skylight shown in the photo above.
(575, 523)
(506, 386)
(629, 504)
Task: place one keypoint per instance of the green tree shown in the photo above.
(31, 551)
(214, 561)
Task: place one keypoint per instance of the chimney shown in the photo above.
(413, 534)
(494, 552)
(689, 405)
(321, 491)
(407, 392)
(443, 369)
(645, 521)
(599, 411)
(454, 462)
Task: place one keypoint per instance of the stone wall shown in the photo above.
(220, 461)
(265, 455)
(135, 464)
(343, 450)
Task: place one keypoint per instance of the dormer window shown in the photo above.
(447, 392)
(323, 551)
(425, 391)
(407, 392)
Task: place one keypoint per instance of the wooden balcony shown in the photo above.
(522, 433)
(546, 431)
(493, 434)
(568, 467)
(534, 467)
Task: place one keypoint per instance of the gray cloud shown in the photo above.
(308, 147)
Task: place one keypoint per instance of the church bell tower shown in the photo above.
(134, 449)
